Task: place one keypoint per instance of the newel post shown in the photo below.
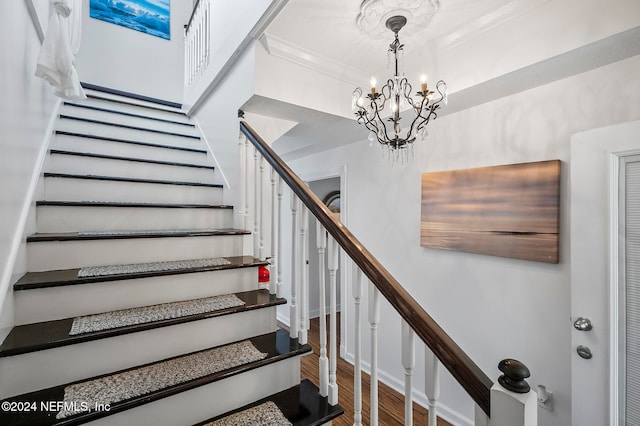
(513, 403)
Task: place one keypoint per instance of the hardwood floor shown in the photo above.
(391, 403)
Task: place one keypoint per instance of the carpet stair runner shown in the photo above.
(122, 390)
(299, 405)
(140, 305)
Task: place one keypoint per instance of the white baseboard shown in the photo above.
(210, 149)
(316, 312)
(444, 412)
(18, 235)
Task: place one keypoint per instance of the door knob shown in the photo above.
(582, 324)
(584, 352)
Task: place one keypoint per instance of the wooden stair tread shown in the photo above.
(127, 179)
(129, 204)
(131, 142)
(127, 114)
(126, 126)
(277, 345)
(132, 159)
(52, 334)
(63, 277)
(302, 405)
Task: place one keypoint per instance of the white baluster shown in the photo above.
(256, 206)
(280, 236)
(261, 211)
(408, 362)
(293, 311)
(243, 177)
(304, 275)
(274, 232)
(207, 37)
(247, 166)
(333, 360)
(321, 239)
(357, 372)
(374, 319)
(432, 383)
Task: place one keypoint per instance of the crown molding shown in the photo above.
(486, 22)
(293, 53)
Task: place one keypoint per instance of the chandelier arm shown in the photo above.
(443, 93)
(420, 116)
(383, 127)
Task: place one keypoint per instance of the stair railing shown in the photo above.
(197, 42)
(508, 402)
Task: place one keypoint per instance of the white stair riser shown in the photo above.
(213, 399)
(129, 120)
(156, 110)
(73, 189)
(96, 146)
(53, 255)
(75, 219)
(52, 367)
(67, 125)
(52, 303)
(72, 164)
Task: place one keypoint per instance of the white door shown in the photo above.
(598, 345)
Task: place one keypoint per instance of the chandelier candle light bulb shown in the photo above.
(397, 91)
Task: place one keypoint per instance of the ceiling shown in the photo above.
(325, 26)
(328, 30)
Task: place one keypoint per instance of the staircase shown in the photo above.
(140, 306)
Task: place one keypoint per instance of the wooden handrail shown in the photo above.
(461, 367)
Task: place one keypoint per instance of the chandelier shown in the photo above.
(395, 94)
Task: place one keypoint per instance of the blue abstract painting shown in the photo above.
(147, 16)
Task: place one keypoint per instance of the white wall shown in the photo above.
(26, 105)
(117, 57)
(218, 119)
(231, 24)
(493, 307)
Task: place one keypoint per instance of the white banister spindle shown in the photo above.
(323, 363)
(432, 383)
(197, 48)
(279, 242)
(256, 201)
(374, 319)
(243, 177)
(333, 346)
(261, 212)
(304, 275)
(357, 368)
(247, 175)
(274, 233)
(408, 362)
(293, 310)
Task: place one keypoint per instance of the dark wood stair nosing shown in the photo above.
(136, 96)
(69, 277)
(126, 126)
(127, 114)
(262, 343)
(302, 405)
(133, 180)
(132, 159)
(130, 204)
(78, 236)
(58, 330)
(118, 140)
